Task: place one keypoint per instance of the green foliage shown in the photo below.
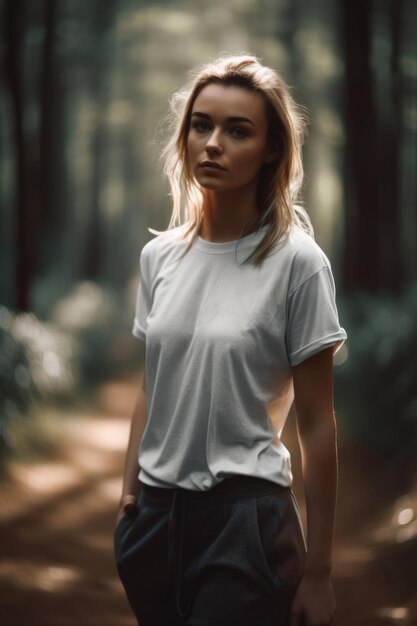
(377, 384)
(86, 340)
(93, 316)
(37, 363)
(15, 380)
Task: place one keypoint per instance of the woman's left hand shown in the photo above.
(314, 603)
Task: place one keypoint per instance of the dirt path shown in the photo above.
(57, 517)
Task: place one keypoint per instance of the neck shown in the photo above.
(227, 213)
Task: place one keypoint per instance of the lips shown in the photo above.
(212, 164)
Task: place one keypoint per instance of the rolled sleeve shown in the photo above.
(312, 318)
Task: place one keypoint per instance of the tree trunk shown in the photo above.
(361, 269)
(25, 197)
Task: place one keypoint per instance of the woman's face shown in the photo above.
(228, 126)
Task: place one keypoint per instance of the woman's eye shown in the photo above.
(198, 126)
(239, 130)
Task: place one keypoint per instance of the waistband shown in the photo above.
(230, 489)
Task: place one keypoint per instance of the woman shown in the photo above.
(236, 306)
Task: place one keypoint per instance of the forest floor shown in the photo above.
(58, 512)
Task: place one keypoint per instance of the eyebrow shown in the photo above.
(233, 118)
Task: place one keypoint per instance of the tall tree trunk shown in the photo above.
(25, 198)
(48, 218)
(390, 135)
(408, 103)
(104, 20)
(52, 134)
(362, 201)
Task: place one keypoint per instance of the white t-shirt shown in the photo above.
(221, 338)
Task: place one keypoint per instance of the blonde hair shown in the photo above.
(279, 182)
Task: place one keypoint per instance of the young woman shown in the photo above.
(236, 306)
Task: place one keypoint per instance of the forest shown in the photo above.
(84, 93)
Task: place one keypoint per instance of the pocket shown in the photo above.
(120, 523)
(124, 521)
(290, 546)
(119, 527)
(281, 541)
(268, 512)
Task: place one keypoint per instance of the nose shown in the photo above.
(214, 142)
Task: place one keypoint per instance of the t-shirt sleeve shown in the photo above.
(143, 300)
(312, 317)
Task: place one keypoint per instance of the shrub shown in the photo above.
(377, 383)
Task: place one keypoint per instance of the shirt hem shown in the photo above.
(304, 353)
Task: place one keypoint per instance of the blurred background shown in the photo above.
(83, 89)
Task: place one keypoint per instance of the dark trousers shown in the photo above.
(230, 556)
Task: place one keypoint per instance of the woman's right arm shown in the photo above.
(131, 485)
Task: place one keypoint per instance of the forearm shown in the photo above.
(131, 484)
(319, 461)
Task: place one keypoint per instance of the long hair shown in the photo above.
(280, 182)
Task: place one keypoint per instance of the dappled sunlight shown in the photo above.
(27, 574)
(110, 490)
(406, 516)
(46, 478)
(90, 461)
(400, 522)
(90, 448)
(408, 533)
(109, 435)
(397, 614)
